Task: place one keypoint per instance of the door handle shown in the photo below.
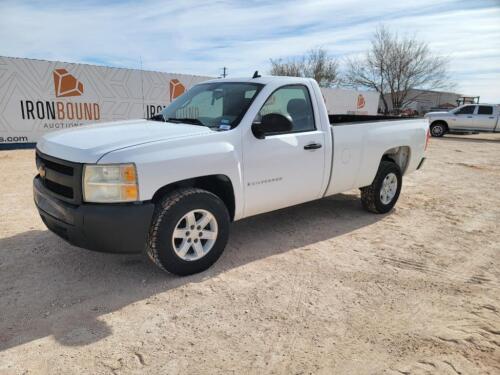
(469, 116)
(312, 146)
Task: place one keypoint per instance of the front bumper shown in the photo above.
(117, 228)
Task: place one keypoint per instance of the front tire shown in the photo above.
(189, 231)
(381, 196)
(438, 129)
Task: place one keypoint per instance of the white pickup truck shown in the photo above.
(225, 150)
(465, 119)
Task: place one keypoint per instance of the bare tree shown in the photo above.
(315, 64)
(321, 67)
(396, 65)
(290, 67)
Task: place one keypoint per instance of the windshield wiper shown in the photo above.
(158, 117)
(193, 121)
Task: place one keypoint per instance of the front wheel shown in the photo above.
(381, 196)
(189, 231)
(438, 129)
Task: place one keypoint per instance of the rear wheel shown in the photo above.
(438, 129)
(189, 232)
(381, 196)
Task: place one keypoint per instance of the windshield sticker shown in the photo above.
(224, 124)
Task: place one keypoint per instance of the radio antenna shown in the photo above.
(142, 89)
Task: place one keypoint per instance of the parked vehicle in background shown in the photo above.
(408, 112)
(225, 150)
(465, 119)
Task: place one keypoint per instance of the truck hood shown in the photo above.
(88, 144)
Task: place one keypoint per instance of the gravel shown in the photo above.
(323, 287)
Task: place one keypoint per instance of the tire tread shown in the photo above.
(370, 193)
(161, 210)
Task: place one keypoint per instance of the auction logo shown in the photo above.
(66, 84)
(361, 101)
(176, 89)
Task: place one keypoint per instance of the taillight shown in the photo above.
(427, 138)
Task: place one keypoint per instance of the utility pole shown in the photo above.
(224, 72)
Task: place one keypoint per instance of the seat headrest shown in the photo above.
(296, 107)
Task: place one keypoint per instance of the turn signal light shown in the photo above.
(129, 192)
(128, 173)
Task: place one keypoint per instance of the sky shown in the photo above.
(200, 37)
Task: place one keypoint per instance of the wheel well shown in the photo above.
(440, 122)
(398, 155)
(219, 185)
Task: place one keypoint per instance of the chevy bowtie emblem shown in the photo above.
(41, 171)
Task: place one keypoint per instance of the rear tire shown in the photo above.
(438, 129)
(189, 231)
(381, 196)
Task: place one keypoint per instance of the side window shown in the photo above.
(293, 101)
(485, 110)
(467, 110)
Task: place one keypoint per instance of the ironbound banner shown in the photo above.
(39, 96)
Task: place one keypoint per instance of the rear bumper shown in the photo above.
(421, 163)
(117, 228)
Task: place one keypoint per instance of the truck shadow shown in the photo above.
(48, 287)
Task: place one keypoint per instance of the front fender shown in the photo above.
(164, 163)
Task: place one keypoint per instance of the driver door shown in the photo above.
(284, 169)
(464, 118)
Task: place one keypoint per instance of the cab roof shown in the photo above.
(262, 80)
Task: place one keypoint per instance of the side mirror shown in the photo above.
(272, 123)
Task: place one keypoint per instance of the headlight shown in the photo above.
(110, 183)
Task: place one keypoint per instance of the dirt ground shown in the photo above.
(320, 288)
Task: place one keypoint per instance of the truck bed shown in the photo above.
(359, 146)
(342, 119)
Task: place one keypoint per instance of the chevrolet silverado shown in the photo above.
(225, 150)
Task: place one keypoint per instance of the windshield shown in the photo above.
(218, 105)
